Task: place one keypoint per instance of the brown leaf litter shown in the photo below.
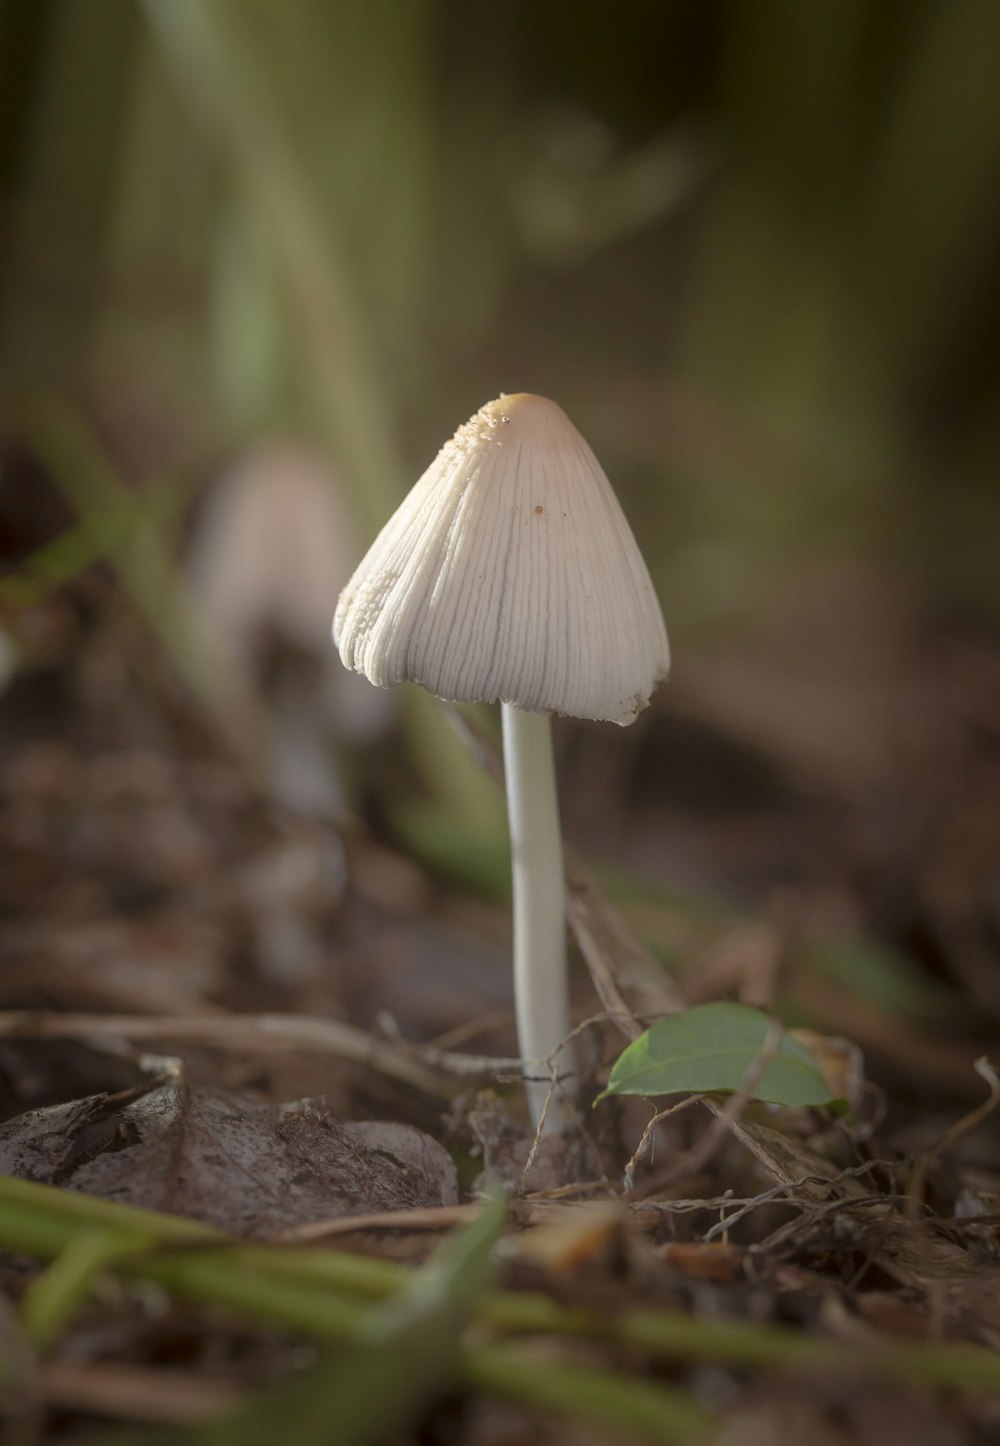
(250, 1167)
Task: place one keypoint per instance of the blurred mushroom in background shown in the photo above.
(273, 547)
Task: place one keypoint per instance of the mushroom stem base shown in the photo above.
(541, 989)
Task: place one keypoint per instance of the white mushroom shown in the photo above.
(510, 572)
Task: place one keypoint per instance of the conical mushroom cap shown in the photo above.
(510, 572)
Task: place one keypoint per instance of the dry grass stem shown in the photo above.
(439, 1217)
(135, 1393)
(409, 1064)
(961, 1128)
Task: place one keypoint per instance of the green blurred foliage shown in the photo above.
(752, 245)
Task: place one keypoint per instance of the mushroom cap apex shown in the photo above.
(523, 405)
(510, 572)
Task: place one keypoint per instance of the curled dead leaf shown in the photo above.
(246, 1166)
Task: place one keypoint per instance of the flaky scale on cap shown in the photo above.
(510, 572)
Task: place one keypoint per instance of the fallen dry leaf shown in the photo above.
(245, 1166)
(712, 1261)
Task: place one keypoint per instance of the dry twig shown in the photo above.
(958, 1131)
(419, 1066)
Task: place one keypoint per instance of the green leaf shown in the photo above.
(712, 1047)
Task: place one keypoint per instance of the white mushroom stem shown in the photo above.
(541, 990)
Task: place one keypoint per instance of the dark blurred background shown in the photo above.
(260, 260)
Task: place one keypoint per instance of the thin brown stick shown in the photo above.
(784, 1194)
(137, 1393)
(419, 1217)
(815, 1215)
(421, 1067)
(962, 1127)
(627, 979)
(645, 1144)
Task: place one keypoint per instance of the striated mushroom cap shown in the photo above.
(510, 572)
